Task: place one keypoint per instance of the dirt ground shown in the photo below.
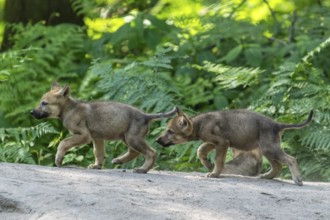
(36, 192)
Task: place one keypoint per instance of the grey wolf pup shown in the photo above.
(96, 122)
(245, 163)
(240, 129)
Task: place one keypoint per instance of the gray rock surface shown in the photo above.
(37, 192)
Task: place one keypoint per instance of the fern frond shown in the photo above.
(24, 134)
(16, 153)
(311, 54)
(323, 117)
(144, 84)
(19, 144)
(160, 60)
(233, 77)
(317, 139)
(40, 54)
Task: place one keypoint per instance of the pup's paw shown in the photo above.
(140, 170)
(213, 175)
(58, 161)
(298, 180)
(95, 166)
(116, 161)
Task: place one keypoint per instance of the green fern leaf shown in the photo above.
(233, 77)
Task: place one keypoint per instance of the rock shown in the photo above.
(37, 192)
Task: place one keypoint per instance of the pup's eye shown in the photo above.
(44, 103)
(170, 132)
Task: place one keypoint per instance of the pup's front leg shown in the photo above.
(68, 143)
(202, 152)
(220, 155)
(99, 153)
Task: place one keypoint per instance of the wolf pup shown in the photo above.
(96, 122)
(244, 163)
(240, 129)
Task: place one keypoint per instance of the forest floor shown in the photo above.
(37, 192)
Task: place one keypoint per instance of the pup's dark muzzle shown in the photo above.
(39, 115)
(163, 143)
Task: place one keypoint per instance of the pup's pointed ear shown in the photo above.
(179, 112)
(64, 91)
(185, 124)
(55, 85)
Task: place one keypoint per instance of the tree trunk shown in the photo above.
(52, 12)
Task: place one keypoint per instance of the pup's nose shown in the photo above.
(163, 142)
(160, 141)
(32, 112)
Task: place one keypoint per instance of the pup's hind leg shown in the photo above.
(202, 152)
(99, 154)
(293, 166)
(276, 156)
(130, 155)
(150, 154)
(274, 170)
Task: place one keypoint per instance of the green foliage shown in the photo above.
(233, 77)
(151, 55)
(297, 90)
(7, 61)
(20, 145)
(40, 54)
(132, 82)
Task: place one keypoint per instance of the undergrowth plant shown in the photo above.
(22, 145)
(295, 90)
(40, 55)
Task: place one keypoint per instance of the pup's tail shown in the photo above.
(162, 114)
(293, 126)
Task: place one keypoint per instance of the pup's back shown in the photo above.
(241, 128)
(111, 120)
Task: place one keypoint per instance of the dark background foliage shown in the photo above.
(268, 56)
